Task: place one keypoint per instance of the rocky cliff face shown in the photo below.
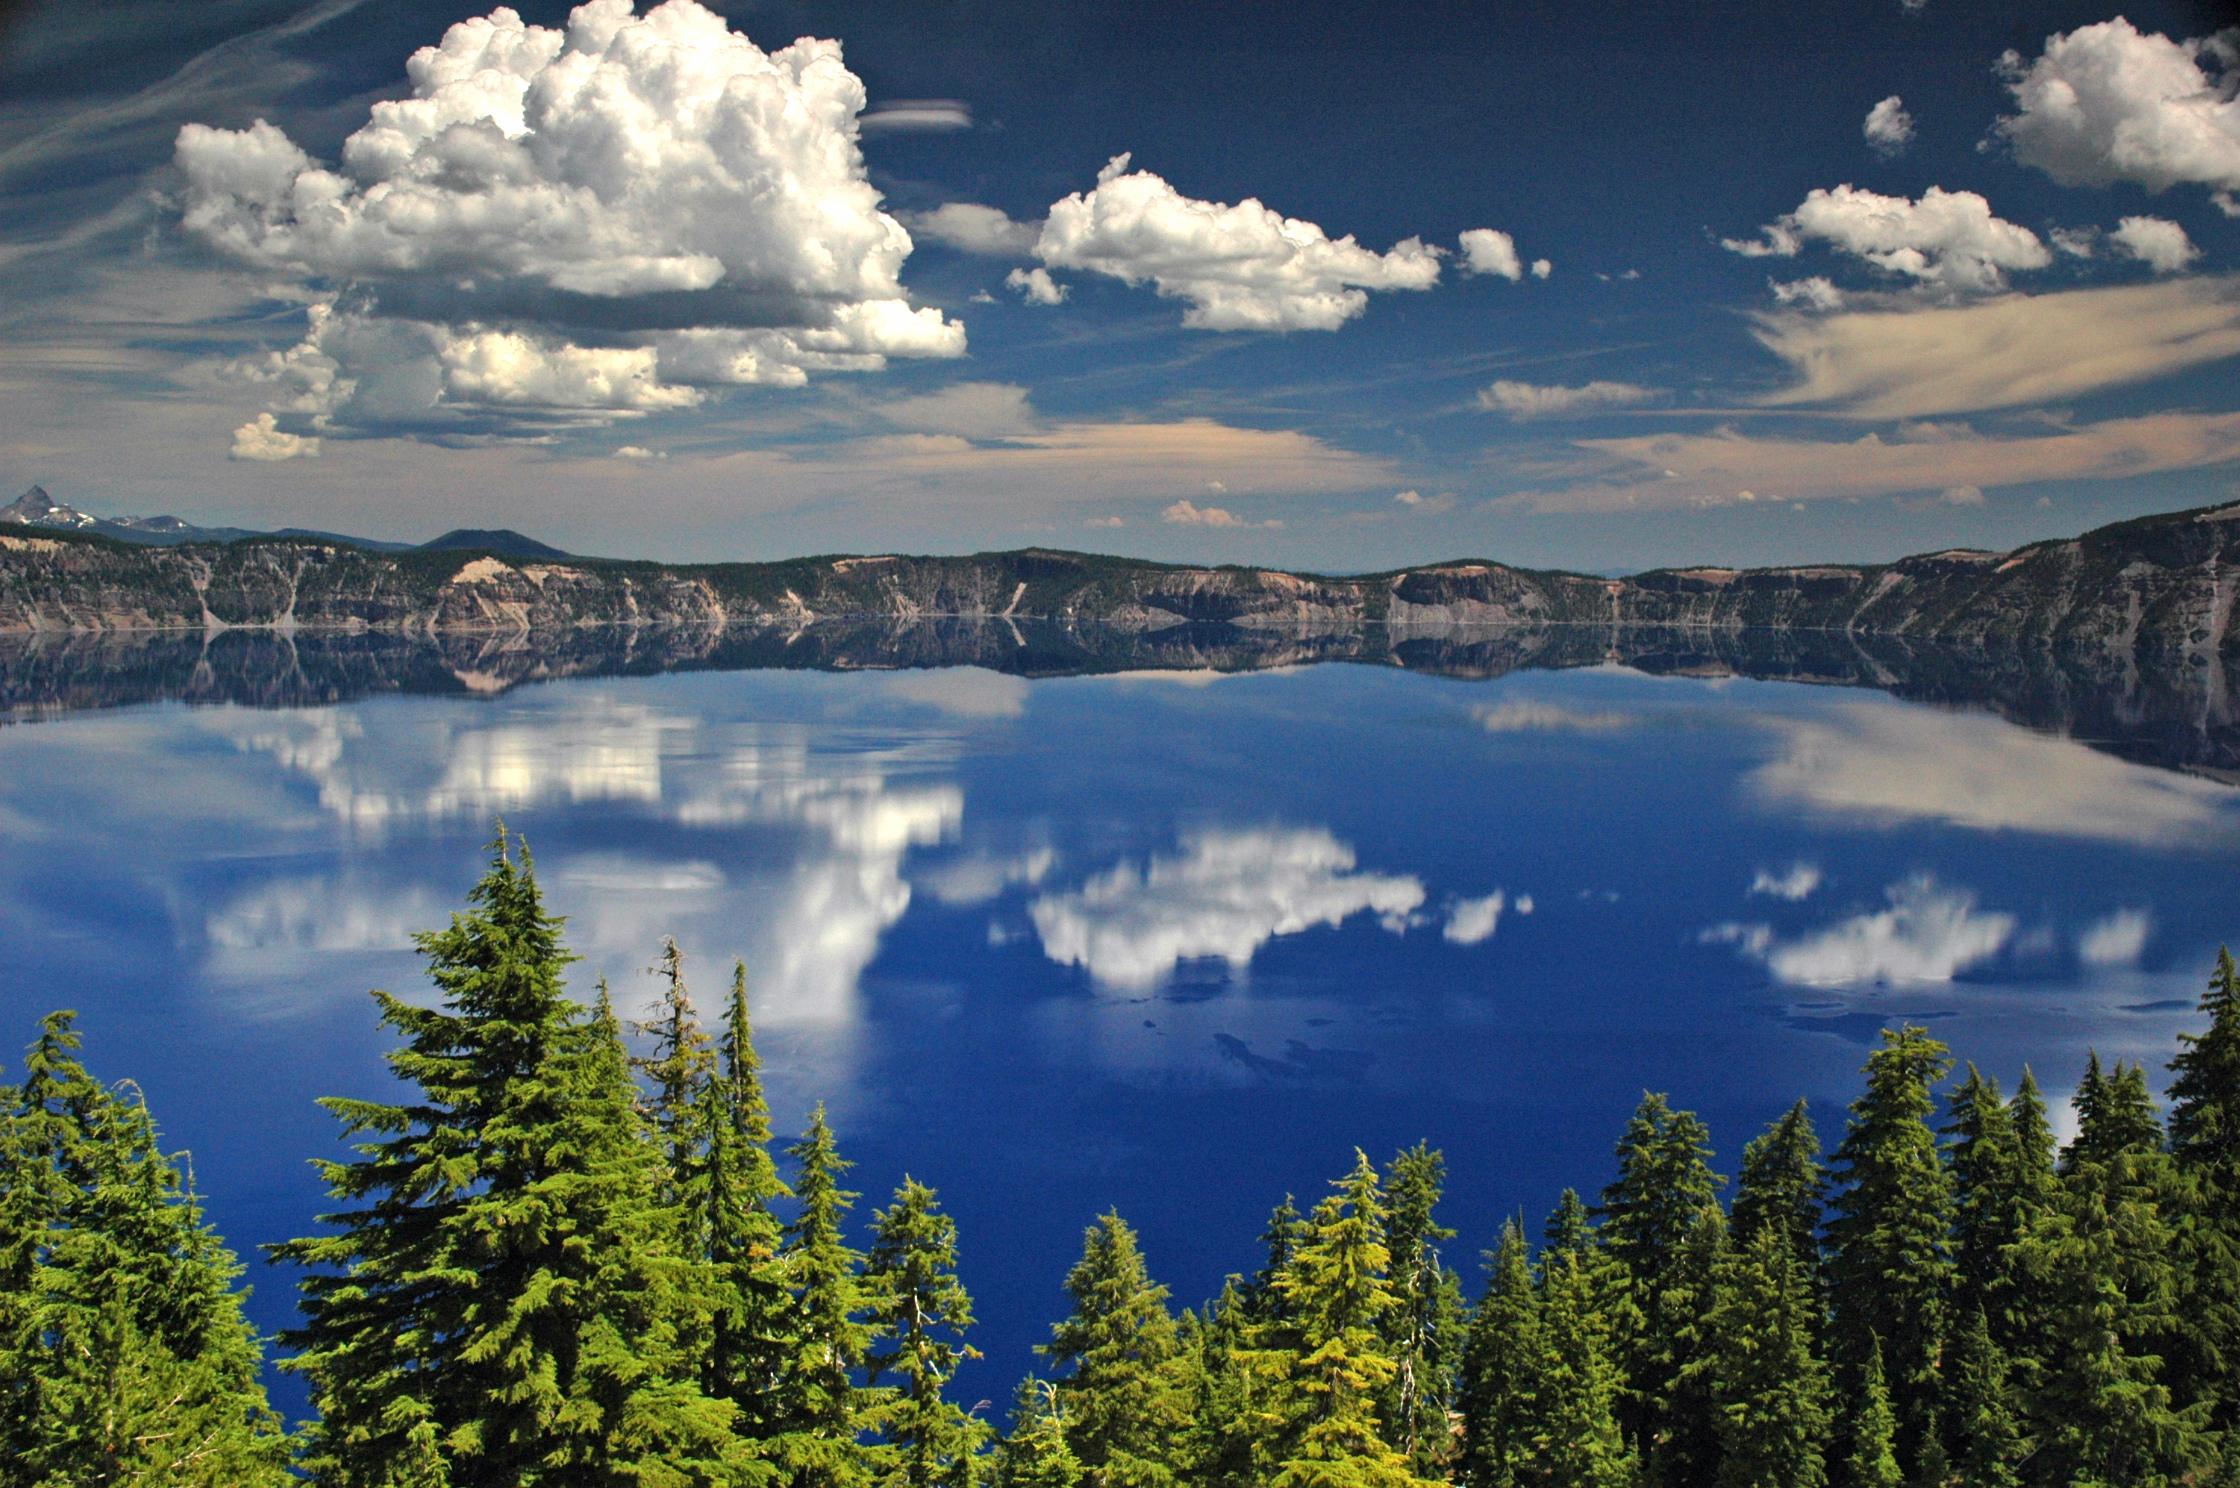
(2158, 591)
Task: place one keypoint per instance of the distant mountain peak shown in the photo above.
(36, 507)
(500, 540)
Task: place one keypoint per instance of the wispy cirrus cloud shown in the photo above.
(2005, 353)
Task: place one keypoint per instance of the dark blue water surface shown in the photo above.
(1172, 943)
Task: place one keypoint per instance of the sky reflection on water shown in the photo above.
(1171, 942)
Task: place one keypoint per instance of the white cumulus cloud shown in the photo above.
(1037, 285)
(262, 438)
(1888, 127)
(2163, 246)
(1185, 514)
(2116, 940)
(2108, 103)
(1793, 883)
(1225, 895)
(1527, 400)
(1948, 239)
(1470, 921)
(1241, 267)
(1929, 933)
(577, 219)
(1486, 251)
(976, 229)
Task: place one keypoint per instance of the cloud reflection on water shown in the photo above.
(1887, 762)
(1225, 895)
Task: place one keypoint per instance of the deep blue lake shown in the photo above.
(1175, 943)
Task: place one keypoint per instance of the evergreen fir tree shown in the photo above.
(1263, 1298)
(2205, 1141)
(1874, 1455)
(1569, 1230)
(1498, 1394)
(1120, 1406)
(1780, 1187)
(1980, 1415)
(1337, 1290)
(751, 1342)
(506, 1294)
(921, 1313)
(124, 1355)
(1674, 1382)
(1890, 1267)
(680, 1067)
(821, 1411)
(1036, 1454)
(1424, 1330)
(1576, 1441)
(1664, 1181)
(2102, 1257)
(1664, 1184)
(1764, 1376)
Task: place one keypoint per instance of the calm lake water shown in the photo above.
(1175, 943)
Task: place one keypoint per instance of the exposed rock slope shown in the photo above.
(2158, 588)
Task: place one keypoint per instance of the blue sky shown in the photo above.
(1560, 285)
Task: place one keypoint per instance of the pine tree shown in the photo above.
(1036, 1454)
(681, 1067)
(1980, 1415)
(821, 1411)
(2102, 1258)
(1764, 1376)
(921, 1313)
(1570, 1229)
(1498, 1394)
(1263, 1298)
(1663, 1186)
(1874, 1455)
(2205, 1141)
(733, 1186)
(1685, 1447)
(124, 1355)
(1890, 1268)
(1664, 1181)
(1120, 1406)
(1337, 1290)
(1576, 1441)
(503, 1300)
(1780, 1187)
(1423, 1332)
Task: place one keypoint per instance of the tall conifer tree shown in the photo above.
(124, 1356)
(1036, 1454)
(1874, 1432)
(1500, 1370)
(2205, 1141)
(1890, 1266)
(1979, 1414)
(1338, 1292)
(1120, 1396)
(503, 1298)
(1781, 1187)
(1424, 1329)
(821, 1411)
(1576, 1441)
(1664, 1184)
(753, 1338)
(1762, 1370)
(921, 1311)
(2102, 1257)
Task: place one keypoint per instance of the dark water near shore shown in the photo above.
(1172, 942)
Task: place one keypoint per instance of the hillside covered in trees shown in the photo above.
(556, 1263)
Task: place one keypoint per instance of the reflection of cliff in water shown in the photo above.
(2177, 714)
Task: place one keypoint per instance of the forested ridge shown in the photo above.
(553, 1262)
